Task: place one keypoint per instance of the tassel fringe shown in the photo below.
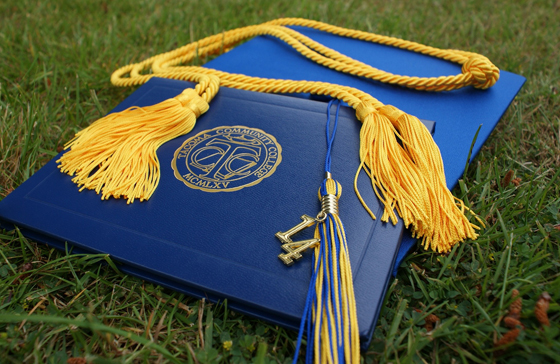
(116, 155)
(330, 312)
(407, 175)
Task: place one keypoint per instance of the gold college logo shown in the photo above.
(226, 158)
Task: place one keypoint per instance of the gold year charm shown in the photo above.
(292, 248)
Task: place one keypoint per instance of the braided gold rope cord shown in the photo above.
(477, 70)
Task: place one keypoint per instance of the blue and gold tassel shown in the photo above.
(329, 316)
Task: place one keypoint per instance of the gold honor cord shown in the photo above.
(396, 150)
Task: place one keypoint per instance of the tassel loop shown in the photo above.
(363, 110)
(390, 112)
(190, 99)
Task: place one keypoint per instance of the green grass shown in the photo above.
(56, 59)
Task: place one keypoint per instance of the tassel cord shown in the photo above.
(330, 136)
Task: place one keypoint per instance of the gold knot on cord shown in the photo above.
(363, 110)
(483, 72)
(391, 112)
(190, 99)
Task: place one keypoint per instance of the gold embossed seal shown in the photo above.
(227, 158)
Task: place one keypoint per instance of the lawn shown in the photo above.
(55, 64)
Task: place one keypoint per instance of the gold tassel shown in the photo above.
(116, 155)
(442, 207)
(407, 175)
